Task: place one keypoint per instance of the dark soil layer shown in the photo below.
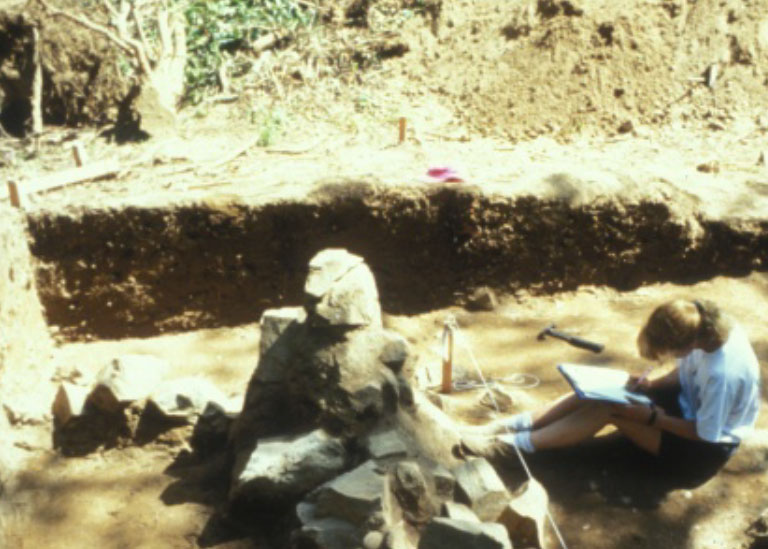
(141, 271)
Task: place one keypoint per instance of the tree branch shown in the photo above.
(126, 44)
(140, 28)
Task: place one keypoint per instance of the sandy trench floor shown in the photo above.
(126, 498)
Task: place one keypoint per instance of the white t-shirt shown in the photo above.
(721, 390)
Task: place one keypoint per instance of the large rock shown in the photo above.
(445, 533)
(395, 351)
(186, 397)
(480, 487)
(356, 497)
(327, 533)
(444, 481)
(412, 492)
(211, 430)
(387, 443)
(287, 467)
(458, 511)
(125, 379)
(525, 515)
(70, 402)
(274, 323)
(341, 290)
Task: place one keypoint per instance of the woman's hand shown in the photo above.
(639, 383)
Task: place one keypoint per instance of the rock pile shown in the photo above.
(128, 395)
(331, 426)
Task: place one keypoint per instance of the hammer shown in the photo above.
(573, 340)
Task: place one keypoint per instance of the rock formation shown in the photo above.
(331, 425)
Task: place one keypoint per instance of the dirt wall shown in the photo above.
(140, 271)
(24, 341)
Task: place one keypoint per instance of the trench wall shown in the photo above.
(140, 271)
(25, 345)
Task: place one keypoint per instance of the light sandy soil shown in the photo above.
(613, 94)
(127, 497)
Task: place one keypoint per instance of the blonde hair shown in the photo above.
(681, 325)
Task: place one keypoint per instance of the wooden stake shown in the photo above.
(13, 194)
(447, 384)
(78, 153)
(402, 123)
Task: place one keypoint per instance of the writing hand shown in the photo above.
(639, 382)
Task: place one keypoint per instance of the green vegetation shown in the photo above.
(218, 27)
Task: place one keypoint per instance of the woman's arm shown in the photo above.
(668, 380)
(678, 426)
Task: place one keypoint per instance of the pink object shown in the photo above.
(444, 174)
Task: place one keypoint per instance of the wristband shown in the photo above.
(652, 417)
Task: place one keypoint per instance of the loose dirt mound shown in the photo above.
(558, 67)
(515, 69)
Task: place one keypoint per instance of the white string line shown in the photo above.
(451, 323)
(520, 381)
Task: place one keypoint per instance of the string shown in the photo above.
(450, 322)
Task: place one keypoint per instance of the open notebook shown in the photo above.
(601, 383)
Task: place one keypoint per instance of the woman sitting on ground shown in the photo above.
(703, 408)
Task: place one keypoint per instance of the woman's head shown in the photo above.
(679, 326)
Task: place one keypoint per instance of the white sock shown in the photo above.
(521, 440)
(518, 422)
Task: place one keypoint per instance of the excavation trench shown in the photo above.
(106, 273)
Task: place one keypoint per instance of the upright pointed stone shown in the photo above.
(341, 290)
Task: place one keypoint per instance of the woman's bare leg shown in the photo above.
(570, 429)
(646, 437)
(557, 409)
(551, 412)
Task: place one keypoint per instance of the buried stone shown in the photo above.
(287, 467)
(359, 497)
(480, 487)
(446, 533)
(126, 379)
(341, 291)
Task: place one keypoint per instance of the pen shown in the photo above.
(642, 378)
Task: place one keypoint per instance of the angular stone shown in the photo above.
(211, 430)
(445, 533)
(125, 379)
(481, 488)
(385, 444)
(458, 511)
(70, 401)
(444, 482)
(404, 392)
(274, 322)
(326, 268)
(327, 533)
(287, 467)
(525, 515)
(341, 291)
(395, 352)
(364, 391)
(354, 496)
(412, 493)
(187, 397)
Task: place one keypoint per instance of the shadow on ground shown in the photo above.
(621, 484)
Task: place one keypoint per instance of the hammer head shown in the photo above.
(545, 331)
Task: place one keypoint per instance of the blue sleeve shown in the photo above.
(713, 412)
